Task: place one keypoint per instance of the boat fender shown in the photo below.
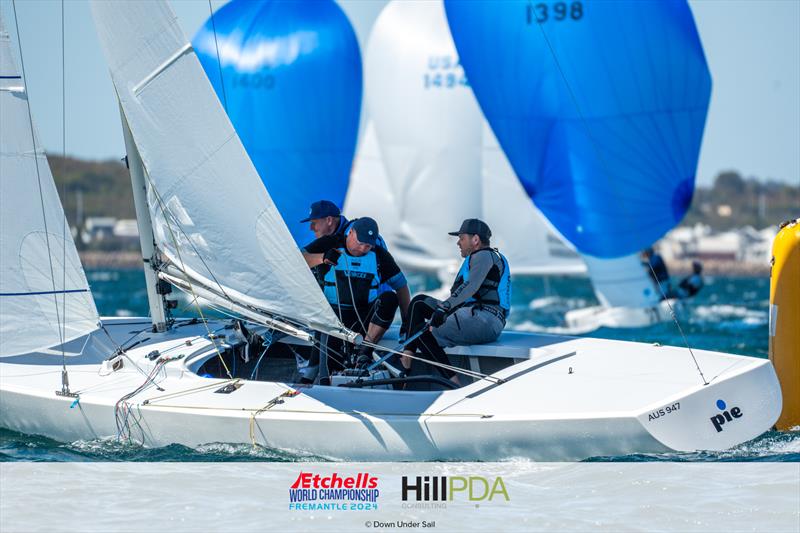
(784, 316)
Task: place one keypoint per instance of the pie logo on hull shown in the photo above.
(725, 416)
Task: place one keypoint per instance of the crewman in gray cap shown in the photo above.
(479, 302)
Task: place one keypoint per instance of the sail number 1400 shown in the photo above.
(542, 12)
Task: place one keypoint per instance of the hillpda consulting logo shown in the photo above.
(725, 416)
(433, 492)
(314, 492)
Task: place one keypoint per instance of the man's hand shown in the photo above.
(439, 316)
(331, 257)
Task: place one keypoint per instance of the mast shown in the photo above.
(145, 224)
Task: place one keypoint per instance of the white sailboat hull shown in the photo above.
(589, 319)
(567, 399)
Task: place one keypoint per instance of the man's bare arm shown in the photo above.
(313, 259)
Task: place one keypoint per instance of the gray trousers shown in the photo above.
(469, 325)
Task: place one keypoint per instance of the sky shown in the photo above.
(752, 48)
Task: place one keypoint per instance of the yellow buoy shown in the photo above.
(784, 320)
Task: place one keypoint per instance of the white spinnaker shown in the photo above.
(519, 230)
(369, 193)
(428, 124)
(44, 297)
(211, 215)
(622, 282)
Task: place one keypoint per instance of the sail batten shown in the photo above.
(212, 217)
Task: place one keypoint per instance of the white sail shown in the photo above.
(622, 282)
(520, 231)
(369, 193)
(429, 127)
(212, 217)
(45, 300)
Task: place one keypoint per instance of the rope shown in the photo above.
(599, 154)
(122, 409)
(458, 370)
(184, 392)
(290, 393)
(312, 412)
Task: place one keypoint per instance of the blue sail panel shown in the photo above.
(599, 106)
(291, 84)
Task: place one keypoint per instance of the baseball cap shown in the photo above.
(322, 209)
(366, 230)
(473, 226)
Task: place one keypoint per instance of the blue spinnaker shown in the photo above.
(291, 85)
(600, 107)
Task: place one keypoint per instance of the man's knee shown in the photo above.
(385, 307)
(418, 298)
(388, 299)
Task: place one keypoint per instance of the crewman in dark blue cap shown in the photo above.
(325, 219)
(355, 267)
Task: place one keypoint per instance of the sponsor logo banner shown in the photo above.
(513, 496)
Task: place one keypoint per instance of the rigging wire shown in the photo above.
(63, 189)
(166, 214)
(219, 60)
(601, 159)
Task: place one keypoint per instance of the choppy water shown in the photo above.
(729, 315)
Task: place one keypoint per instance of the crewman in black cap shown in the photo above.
(479, 302)
(355, 267)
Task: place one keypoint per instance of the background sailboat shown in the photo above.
(600, 109)
(441, 161)
(289, 77)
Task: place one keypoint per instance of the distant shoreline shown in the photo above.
(133, 260)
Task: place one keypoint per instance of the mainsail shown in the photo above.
(213, 220)
(45, 300)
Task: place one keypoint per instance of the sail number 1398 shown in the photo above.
(542, 12)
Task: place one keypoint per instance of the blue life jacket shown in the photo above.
(353, 281)
(496, 287)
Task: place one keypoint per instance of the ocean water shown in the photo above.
(729, 315)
